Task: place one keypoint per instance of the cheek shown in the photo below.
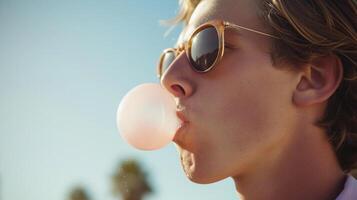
(248, 104)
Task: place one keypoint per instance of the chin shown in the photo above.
(198, 172)
(202, 179)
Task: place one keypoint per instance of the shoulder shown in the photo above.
(349, 191)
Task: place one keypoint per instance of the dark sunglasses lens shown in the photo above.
(204, 49)
(167, 59)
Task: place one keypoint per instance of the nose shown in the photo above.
(177, 79)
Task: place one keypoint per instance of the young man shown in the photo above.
(268, 93)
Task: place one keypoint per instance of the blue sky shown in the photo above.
(64, 67)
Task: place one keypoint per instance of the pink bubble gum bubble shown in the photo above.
(146, 117)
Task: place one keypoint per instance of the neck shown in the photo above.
(306, 168)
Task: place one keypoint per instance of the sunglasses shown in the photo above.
(204, 48)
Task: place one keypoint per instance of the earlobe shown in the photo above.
(318, 81)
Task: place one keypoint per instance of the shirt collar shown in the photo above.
(349, 191)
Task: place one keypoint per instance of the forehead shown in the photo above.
(241, 12)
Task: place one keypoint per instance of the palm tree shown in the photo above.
(130, 181)
(78, 193)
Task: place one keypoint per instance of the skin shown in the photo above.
(252, 121)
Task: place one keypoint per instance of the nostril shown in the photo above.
(178, 90)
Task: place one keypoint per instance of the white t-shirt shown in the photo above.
(349, 191)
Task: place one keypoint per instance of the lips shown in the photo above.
(182, 127)
(181, 116)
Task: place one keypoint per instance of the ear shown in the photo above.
(319, 80)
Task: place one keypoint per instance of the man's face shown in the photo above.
(240, 112)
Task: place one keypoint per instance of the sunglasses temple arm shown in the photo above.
(248, 29)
